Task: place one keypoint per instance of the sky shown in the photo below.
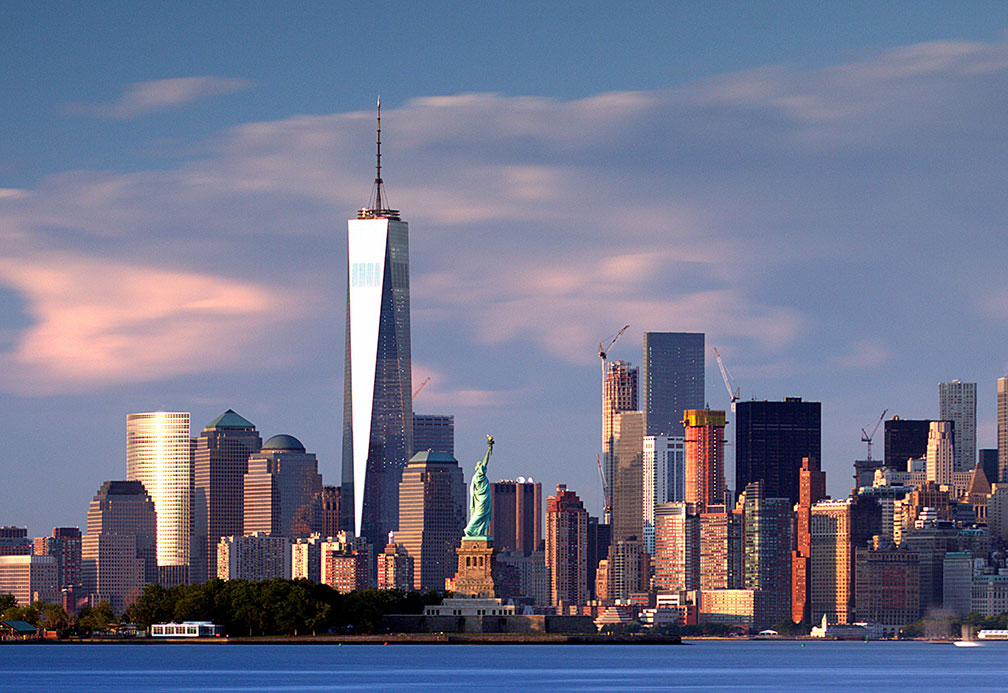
(818, 187)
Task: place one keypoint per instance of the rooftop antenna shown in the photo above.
(377, 210)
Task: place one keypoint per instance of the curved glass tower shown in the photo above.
(377, 402)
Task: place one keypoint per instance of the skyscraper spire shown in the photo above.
(377, 208)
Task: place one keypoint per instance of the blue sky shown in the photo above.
(818, 188)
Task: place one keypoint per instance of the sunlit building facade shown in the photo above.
(159, 454)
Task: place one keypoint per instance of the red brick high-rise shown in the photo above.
(811, 490)
(704, 452)
(567, 547)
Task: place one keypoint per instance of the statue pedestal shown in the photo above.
(475, 569)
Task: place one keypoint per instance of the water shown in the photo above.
(774, 665)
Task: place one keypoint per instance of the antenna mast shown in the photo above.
(377, 208)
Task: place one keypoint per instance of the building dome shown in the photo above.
(284, 442)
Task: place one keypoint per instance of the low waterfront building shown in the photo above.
(187, 629)
(753, 608)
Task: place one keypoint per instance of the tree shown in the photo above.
(99, 617)
(6, 601)
(52, 616)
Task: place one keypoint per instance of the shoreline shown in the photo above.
(381, 640)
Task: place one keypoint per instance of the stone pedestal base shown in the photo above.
(475, 570)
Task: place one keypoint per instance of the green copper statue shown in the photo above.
(479, 499)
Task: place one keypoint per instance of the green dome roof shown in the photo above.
(284, 442)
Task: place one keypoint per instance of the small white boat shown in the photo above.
(967, 643)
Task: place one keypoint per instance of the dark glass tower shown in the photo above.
(377, 401)
(771, 438)
(673, 380)
(905, 439)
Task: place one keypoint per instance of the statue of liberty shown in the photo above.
(479, 499)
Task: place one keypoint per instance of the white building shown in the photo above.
(256, 556)
(957, 403)
(940, 453)
(159, 454)
(663, 477)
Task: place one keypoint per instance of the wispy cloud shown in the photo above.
(144, 98)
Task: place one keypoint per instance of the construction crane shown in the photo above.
(733, 395)
(606, 491)
(417, 391)
(866, 438)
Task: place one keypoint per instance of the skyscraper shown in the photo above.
(619, 394)
(434, 432)
(567, 548)
(940, 455)
(220, 462)
(159, 455)
(431, 516)
(673, 380)
(905, 439)
(282, 490)
(771, 438)
(1002, 429)
(663, 471)
(957, 403)
(704, 464)
(377, 399)
(766, 548)
(516, 515)
(627, 508)
(677, 546)
(812, 489)
(65, 546)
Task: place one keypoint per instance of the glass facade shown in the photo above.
(673, 375)
(377, 402)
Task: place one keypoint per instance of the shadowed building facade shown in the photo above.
(567, 548)
(516, 517)
(434, 432)
(220, 462)
(377, 398)
(771, 439)
(672, 380)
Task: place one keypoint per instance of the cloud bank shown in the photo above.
(144, 98)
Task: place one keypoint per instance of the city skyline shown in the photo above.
(828, 215)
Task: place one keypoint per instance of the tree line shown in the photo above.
(267, 607)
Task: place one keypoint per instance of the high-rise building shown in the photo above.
(14, 541)
(256, 556)
(771, 438)
(619, 394)
(957, 403)
(626, 569)
(330, 511)
(434, 432)
(704, 464)
(159, 454)
(905, 439)
(720, 549)
(940, 453)
(431, 516)
(987, 458)
(65, 546)
(306, 558)
(29, 577)
(220, 462)
(346, 544)
(811, 490)
(663, 471)
(282, 490)
(119, 551)
(628, 447)
(567, 548)
(377, 399)
(395, 567)
(766, 565)
(831, 569)
(599, 538)
(1002, 429)
(677, 547)
(887, 587)
(673, 380)
(347, 571)
(516, 515)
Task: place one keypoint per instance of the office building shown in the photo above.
(395, 567)
(957, 403)
(432, 512)
(567, 548)
(119, 551)
(599, 539)
(220, 462)
(159, 454)
(282, 490)
(256, 556)
(704, 453)
(677, 547)
(766, 547)
(626, 570)
(831, 569)
(330, 511)
(957, 581)
(1002, 429)
(989, 595)
(434, 433)
(663, 468)
(905, 439)
(771, 439)
(30, 578)
(516, 515)
(672, 380)
(619, 394)
(65, 546)
(720, 548)
(987, 458)
(525, 578)
(14, 541)
(887, 587)
(377, 399)
(940, 453)
(628, 447)
(753, 608)
(811, 490)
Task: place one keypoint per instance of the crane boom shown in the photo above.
(417, 391)
(867, 438)
(732, 395)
